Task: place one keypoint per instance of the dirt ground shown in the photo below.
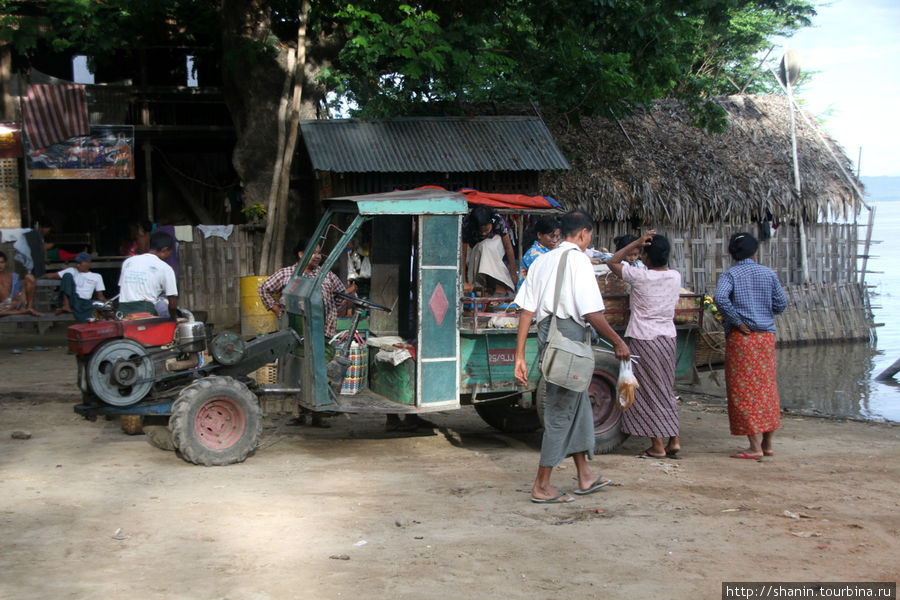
(353, 512)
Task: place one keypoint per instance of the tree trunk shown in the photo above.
(268, 88)
(289, 117)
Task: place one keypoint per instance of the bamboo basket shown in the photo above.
(615, 299)
(690, 304)
(266, 373)
(710, 347)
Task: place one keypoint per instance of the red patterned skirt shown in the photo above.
(750, 367)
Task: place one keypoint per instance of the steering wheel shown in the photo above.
(358, 302)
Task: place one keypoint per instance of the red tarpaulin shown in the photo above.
(501, 200)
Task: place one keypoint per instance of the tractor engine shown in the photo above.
(119, 362)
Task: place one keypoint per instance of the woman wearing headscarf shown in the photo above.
(749, 296)
(651, 336)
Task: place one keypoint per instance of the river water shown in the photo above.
(838, 379)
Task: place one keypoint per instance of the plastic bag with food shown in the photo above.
(626, 384)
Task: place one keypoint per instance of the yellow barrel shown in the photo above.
(255, 319)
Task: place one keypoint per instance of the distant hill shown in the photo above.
(882, 187)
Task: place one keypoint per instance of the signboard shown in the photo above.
(501, 356)
(106, 153)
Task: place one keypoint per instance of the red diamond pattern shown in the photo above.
(438, 303)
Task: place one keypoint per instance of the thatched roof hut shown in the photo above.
(655, 167)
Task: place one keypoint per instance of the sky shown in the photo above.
(853, 48)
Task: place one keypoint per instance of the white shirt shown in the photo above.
(85, 283)
(579, 295)
(146, 277)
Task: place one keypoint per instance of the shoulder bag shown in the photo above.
(566, 363)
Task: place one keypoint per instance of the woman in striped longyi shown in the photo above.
(651, 336)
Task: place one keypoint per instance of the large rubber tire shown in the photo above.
(608, 434)
(507, 416)
(216, 421)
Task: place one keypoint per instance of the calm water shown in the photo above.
(838, 379)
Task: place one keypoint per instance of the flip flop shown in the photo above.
(743, 454)
(673, 455)
(599, 483)
(557, 499)
(648, 455)
(768, 453)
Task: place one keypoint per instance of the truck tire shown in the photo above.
(608, 434)
(507, 416)
(216, 421)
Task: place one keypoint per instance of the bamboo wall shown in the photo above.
(701, 254)
(819, 313)
(832, 307)
(209, 273)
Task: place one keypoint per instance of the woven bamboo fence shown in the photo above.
(832, 307)
(209, 274)
(701, 254)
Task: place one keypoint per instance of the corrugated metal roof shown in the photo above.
(431, 144)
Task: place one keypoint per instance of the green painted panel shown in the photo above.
(438, 309)
(382, 205)
(440, 240)
(438, 382)
(487, 362)
(394, 383)
(685, 349)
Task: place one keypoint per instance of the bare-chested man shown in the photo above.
(16, 294)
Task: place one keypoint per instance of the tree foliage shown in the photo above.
(577, 56)
(385, 58)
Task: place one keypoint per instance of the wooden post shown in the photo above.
(889, 372)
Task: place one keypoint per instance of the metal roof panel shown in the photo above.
(431, 144)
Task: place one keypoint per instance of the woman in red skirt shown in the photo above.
(749, 296)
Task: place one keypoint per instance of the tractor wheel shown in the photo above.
(131, 424)
(216, 421)
(608, 434)
(507, 416)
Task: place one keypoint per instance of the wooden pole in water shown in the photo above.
(889, 372)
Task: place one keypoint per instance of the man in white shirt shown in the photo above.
(78, 287)
(568, 417)
(146, 277)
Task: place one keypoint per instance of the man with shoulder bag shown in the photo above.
(561, 291)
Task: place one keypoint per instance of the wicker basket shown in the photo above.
(710, 348)
(615, 299)
(266, 373)
(691, 303)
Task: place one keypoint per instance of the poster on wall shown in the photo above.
(106, 153)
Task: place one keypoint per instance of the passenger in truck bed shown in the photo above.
(486, 242)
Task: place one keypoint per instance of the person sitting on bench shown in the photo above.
(16, 294)
(78, 287)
